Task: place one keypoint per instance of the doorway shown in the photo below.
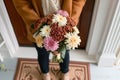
(20, 32)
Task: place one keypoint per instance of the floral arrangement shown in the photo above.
(56, 32)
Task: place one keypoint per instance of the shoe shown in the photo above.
(46, 76)
(65, 76)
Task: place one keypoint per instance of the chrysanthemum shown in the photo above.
(72, 41)
(76, 31)
(58, 56)
(62, 12)
(50, 44)
(61, 20)
(45, 31)
(39, 40)
(57, 33)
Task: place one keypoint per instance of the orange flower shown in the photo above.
(39, 40)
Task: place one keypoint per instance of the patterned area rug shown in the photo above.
(28, 69)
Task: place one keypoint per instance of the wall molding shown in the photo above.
(6, 38)
(111, 37)
(7, 24)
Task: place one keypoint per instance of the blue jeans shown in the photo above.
(43, 59)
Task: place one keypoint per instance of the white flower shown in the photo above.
(76, 31)
(58, 56)
(45, 31)
(72, 41)
(62, 21)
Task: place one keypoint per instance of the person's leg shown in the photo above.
(43, 60)
(64, 67)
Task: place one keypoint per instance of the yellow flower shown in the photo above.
(72, 41)
(39, 40)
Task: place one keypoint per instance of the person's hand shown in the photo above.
(57, 57)
(55, 53)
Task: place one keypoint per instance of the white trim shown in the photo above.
(106, 60)
(117, 61)
(101, 17)
(92, 46)
(8, 25)
(111, 36)
(75, 55)
(1, 58)
(2, 43)
(6, 38)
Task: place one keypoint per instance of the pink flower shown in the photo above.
(50, 44)
(63, 13)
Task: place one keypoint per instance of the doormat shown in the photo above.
(28, 69)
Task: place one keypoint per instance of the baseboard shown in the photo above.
(75, 55)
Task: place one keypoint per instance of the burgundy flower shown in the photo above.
(49, 19)
(68, 28)
(57, 33)
(39, 22)
(70, 22)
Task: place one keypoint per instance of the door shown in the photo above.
(18, 24)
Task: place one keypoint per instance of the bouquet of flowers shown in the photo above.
(56, 32)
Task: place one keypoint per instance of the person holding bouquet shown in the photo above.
(50, 25)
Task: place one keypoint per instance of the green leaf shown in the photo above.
(32, 26)
(60, 60)
(62, 50)
(54, 59)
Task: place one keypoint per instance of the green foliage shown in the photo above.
(54, 59)
(32, 26)
(62, 49)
